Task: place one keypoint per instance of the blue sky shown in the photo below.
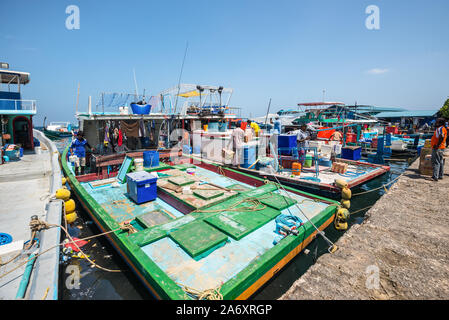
(285, 50)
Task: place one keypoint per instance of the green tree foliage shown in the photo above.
(445, 110)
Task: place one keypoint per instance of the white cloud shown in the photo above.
(378, 71)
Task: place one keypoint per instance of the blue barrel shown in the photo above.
(150, 159)
(140, 109)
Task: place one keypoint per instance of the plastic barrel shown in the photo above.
(296, 168)
(150, 159)
(308, 161)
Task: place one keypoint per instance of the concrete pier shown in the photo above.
(26, 187)
(401, 251)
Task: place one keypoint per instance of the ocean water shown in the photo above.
(97, 284)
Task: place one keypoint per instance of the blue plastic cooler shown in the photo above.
(141, 186)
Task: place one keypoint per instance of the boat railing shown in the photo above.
(17, 105)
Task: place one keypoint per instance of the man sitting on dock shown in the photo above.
(438, 145)
(79, 144)
(301, 138)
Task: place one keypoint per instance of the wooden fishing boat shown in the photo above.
(219, 236)
(358, 173)
(57, 130)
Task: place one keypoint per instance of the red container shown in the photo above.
(392, 130)
(351, 138)
(374, 143)
(243, 125)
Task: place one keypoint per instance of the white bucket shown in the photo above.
(138, 163)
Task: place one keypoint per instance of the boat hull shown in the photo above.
(243, 285)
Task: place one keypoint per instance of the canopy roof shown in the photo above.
(409, 113)
(9, 76)
(314, 104)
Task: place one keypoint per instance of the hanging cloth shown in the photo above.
(120, 138)
(130, 130)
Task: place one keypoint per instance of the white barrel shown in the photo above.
(138, 164)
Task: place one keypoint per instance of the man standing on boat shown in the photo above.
(80, 152)
(438, 143)
(237, 138)
(277, 125)
(302, 138)
(255, 127)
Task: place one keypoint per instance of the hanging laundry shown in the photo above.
(130, 130)
(120, 138)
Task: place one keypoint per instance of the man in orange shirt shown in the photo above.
(438, 145)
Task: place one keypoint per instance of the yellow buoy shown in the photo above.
(346, 193)
(345, 203)
(69, 206)
(63, 194)
(343, 214)
(341, 183)
(63, 180)
(341, 226)
(71, 217)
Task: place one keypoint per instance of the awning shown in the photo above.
(9, 76)
(193, 93)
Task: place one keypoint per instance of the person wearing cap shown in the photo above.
(255, 127)
(277, 125)
(79, 144)
(237, 138)
(438, 143)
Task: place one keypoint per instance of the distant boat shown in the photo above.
(57, 130)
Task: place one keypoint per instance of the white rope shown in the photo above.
(321, 233)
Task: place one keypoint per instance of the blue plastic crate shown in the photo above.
(286, 144)
(150, 159)
(141, 186)
(351, 153)
(249, 156)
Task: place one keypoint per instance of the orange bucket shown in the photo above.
(296, 168)
(205, 127)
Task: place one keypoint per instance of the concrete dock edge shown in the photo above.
(399, 252)
(46, 269)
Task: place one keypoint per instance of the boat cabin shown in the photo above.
(16, 114)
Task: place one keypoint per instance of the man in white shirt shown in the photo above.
(302, 138)
(237, 138)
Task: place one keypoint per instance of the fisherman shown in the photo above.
(336, 136)
(237, 137)
(438, 143)
(302, 138)
(80, 152)
(255, 127)
(277, 125)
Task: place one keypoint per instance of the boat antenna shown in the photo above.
(266, 117)
(135, 82)
(180, 75)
